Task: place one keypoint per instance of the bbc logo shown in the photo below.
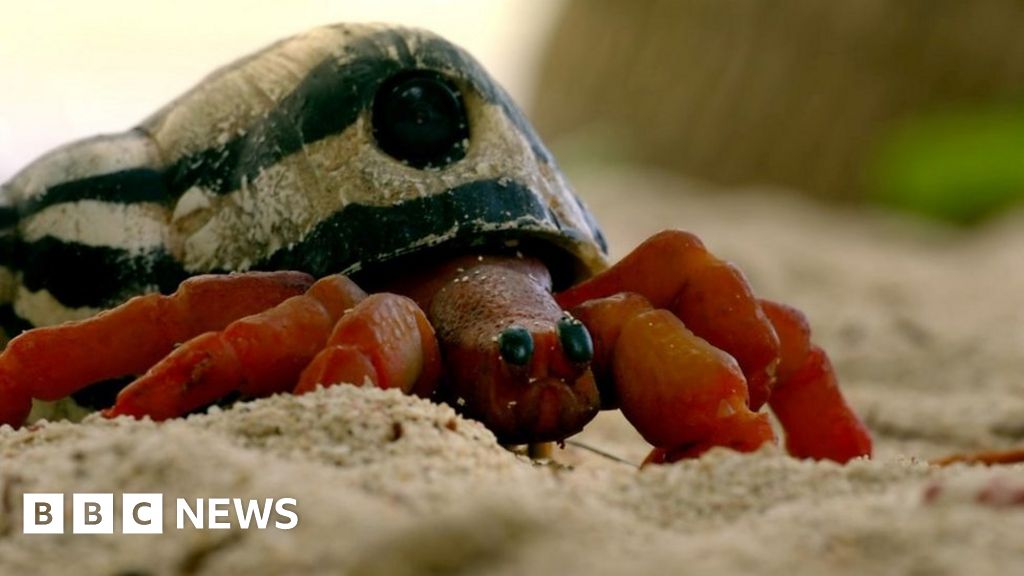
(93, 513)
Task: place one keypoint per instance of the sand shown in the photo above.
(924, 325)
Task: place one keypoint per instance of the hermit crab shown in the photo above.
(454, 263)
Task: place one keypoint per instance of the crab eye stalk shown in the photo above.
(515, 344)
(419, 119)
(576, 341)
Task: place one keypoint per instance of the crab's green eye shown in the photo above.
(515, 344)
(576, 341)
(419, 118)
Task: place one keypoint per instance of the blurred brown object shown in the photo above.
(792, 93)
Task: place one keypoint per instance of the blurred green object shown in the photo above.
(957, 165)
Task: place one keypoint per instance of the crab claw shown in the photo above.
(384, 340)
(673, 270)
(678, 390)
(681, 393)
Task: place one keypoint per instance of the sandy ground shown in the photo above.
(924, 325)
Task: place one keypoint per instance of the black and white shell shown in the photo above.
(271, 163)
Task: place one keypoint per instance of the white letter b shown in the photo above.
(43, 513)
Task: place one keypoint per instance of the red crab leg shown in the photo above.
(385, 339)
(257, 355)
(674, 270)
(818, 422)
(53, 362)
(682, 394)
(987, 458)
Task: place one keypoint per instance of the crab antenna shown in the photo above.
(600, 452)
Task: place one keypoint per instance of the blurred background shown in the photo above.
(913, 104)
